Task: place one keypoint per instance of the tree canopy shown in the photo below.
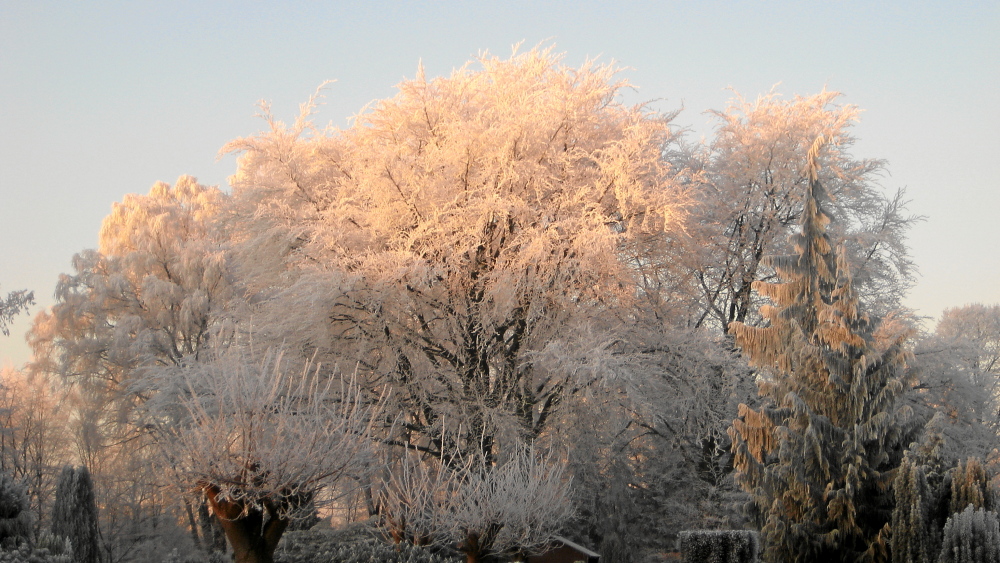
(503, 259)
(463, 241)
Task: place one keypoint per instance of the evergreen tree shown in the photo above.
(911, 542)
(818, 457)
(970, 486)
(74, 514)
(971, 536)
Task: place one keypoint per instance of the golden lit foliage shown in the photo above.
(455, 231)
(817, 458)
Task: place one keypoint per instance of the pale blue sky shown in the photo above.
(99, 99)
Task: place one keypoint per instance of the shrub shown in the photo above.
(318, 546)
(971, 536)
(719, 546)
(15, 518)
(25, 554)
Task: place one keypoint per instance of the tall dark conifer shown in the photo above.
(818, 457)
(74, 514)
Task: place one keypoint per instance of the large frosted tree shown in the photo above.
(464, 242)
(151, 295)
(146, 296)
(818, 458)
(752, 195)
(957, 367)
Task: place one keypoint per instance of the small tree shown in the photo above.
(817, 457)
(74, 514)
(262, 444)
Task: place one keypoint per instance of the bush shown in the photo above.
(15, 518)
(352, 546)
(719, 546)
(971, 536)
(25, 554)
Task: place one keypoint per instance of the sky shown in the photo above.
(100, 99)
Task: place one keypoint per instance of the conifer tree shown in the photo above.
(971, 536)
(74, 514)
(911, 542)
(970, 486)
(818, 457)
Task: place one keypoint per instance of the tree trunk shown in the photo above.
(252, 540)
(211, 531)
(193, 524)
(471, 547)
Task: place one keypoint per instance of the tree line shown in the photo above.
(504, 305)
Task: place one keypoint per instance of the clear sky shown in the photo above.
(100, 99)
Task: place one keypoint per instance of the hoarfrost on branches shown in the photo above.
(262, 443)
(749, 200)
(15, 302)
(513, 507)
(263, 438)
(454, 232)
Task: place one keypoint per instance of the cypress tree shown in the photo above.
(818, 457)
(911, 540)
(74, 514)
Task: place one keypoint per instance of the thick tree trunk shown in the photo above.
(252, 540)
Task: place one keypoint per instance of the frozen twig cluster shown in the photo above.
(513, 507)
(265, 438)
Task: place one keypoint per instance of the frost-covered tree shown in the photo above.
(911, 531)
(33, 439)
(970, 485)
(977, 326)
(146, 296)
(818, 457)
(260, 442)
(150, 295)
(488, 512)
(74, 514)
(752, 195)
(971, 536)
(15, 302)
(464, 242)
(957, 369)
